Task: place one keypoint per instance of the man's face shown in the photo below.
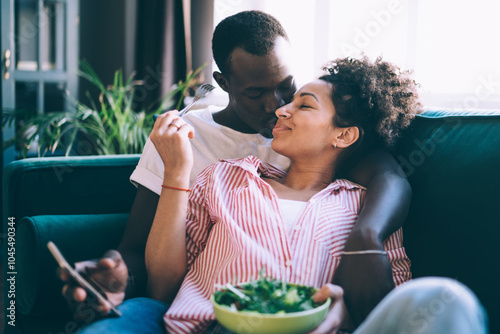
(258, 85)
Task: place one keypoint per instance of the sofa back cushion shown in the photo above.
(79, 237)
(69, 185)
(452, 161)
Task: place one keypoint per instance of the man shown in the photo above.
(251, 50)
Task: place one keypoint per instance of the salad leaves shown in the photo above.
(267, 295)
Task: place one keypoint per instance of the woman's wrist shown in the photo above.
(179, 180)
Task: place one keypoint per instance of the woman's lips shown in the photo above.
(280, 128)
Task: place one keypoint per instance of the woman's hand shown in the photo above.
(170, 136)
(337, 316)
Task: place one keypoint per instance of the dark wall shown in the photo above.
(142, 37)
(107, 38)
(202, 25)
(1, 155)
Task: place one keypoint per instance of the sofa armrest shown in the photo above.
(79, 237)
(85, 201)
(68, 185)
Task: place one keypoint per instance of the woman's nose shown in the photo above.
(283, 112)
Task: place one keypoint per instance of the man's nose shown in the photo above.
(273, 101)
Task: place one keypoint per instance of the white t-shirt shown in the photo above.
(212, 142)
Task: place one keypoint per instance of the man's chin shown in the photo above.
(266, 132)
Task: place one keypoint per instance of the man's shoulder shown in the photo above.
(202, 116)
(207, 130)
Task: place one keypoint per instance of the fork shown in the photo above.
(237, 292)
(200, 93)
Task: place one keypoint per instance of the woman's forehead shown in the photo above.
(319, 88)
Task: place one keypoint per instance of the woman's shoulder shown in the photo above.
(227, 167)
(347, 185)
(348, 194)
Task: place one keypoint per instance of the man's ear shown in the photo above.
(221, 81)
(346, 137)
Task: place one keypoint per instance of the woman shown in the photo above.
(245, 215)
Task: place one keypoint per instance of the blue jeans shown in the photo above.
(139, 315)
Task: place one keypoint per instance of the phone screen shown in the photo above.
(79, 278)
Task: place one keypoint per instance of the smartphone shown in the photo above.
(79, 278)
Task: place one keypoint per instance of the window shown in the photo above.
(39, 51)
(452, 45)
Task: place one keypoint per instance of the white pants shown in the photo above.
(431, 305)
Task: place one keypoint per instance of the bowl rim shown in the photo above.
(319, 308)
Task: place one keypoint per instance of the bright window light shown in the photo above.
(451, 45)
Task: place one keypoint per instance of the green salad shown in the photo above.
(266, 295)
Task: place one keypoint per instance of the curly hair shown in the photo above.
(254, 31)
(377, 97)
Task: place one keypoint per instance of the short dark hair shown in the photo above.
(376, 96)
(253, 31)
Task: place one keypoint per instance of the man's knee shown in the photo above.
(434, 303)
(437, 293)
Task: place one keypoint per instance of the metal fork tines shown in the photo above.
(200, 93)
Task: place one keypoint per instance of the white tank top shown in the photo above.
(291, 211)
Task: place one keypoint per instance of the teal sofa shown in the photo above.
(452, 160)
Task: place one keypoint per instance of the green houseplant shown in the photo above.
(107, 126)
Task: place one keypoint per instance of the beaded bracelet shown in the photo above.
(362, 252)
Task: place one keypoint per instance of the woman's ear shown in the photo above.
(221, 81)
(346, 137)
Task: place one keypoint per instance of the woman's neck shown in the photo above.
(309, 176)
(303, 180)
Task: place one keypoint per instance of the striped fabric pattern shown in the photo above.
(235, 230)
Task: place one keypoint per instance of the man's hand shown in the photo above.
(109, 274)
(337, 316)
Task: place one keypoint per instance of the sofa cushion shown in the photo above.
(79, 237)
(452, 161)
(68, 185)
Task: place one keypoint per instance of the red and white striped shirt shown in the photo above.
(235, 229)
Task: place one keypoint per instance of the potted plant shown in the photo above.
(107, 126)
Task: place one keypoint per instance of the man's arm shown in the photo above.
(111, 272)
(133, 244)
(366, 279)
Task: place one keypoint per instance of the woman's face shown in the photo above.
(305, 126)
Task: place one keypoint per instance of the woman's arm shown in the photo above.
(385, 207)
(166, 253)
